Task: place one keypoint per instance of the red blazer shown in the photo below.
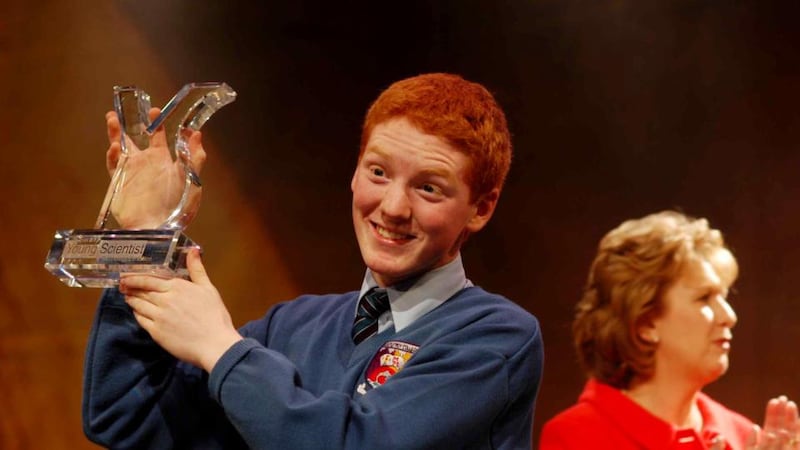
(604, 418)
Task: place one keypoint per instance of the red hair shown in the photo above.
(462, 113)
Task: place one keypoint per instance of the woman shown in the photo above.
(652, 329)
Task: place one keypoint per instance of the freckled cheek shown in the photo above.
(437, 223)
(366, 199)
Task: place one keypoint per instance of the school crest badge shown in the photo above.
(388, 360)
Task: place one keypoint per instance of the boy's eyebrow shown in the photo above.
(433, 171)
(443, 173)
(375, 149)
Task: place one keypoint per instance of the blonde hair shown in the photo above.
(635, 264)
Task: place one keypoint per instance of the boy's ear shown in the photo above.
(484, 208)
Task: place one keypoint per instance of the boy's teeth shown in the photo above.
(388, 234)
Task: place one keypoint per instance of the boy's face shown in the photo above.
(411, 209)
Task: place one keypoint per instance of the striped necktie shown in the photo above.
(374, 303)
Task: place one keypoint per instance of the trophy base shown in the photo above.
(96, 258)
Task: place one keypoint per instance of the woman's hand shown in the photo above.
(781, 429)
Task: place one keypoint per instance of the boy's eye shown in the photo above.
(431, 189)
(377, 171)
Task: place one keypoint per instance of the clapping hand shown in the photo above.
(781, 427)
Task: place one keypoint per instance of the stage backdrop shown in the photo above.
(617, 109)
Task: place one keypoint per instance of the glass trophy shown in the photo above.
(155, 179)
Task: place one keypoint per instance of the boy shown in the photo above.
(419, 357)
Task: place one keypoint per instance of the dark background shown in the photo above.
(617, 109)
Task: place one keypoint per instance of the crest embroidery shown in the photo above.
(388, 360)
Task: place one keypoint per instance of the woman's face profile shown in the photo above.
(694, 331)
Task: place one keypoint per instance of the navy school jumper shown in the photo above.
(292, 382)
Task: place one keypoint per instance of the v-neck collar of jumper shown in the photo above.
(413, 298)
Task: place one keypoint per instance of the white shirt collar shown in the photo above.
(414, 298)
